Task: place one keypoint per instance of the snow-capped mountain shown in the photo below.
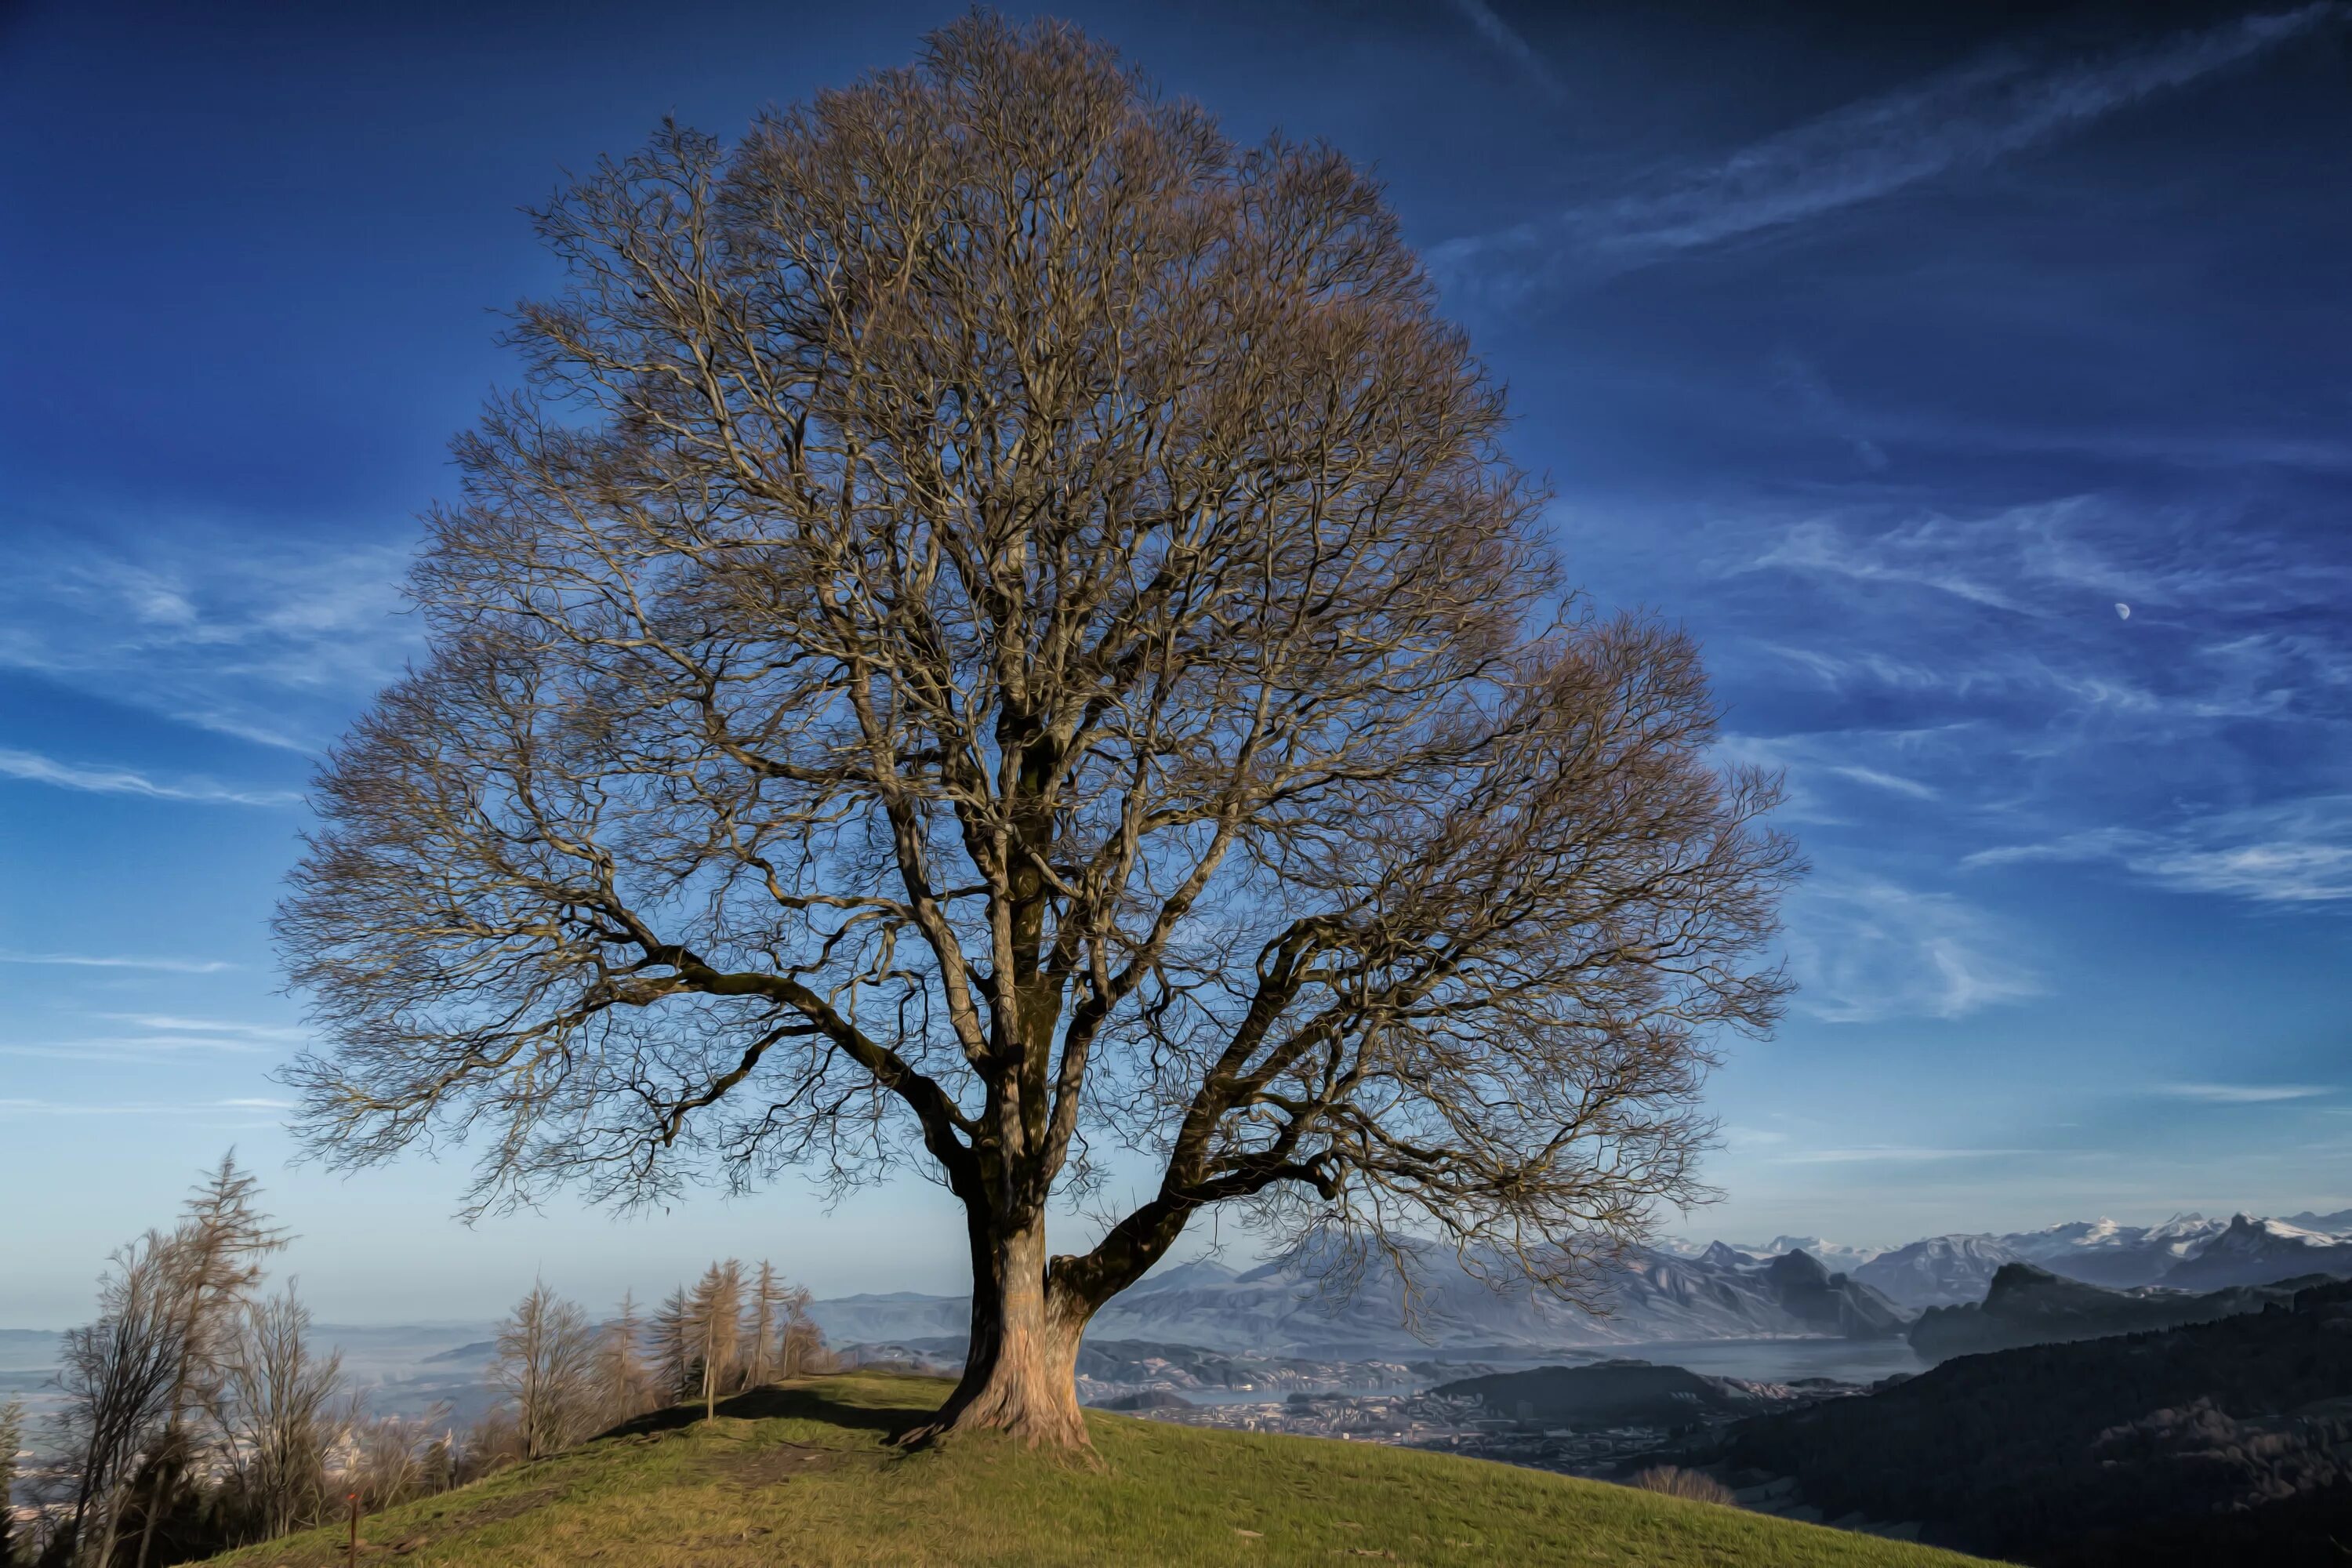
(1834, 1255)
(1837, 1258)
(2259, 1252)
(2101, 1252)
(1678, 1289)
(1282, 1309)
(1940, 1272)
(2338, 1224)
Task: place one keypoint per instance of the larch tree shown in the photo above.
(761, 1325)
(715, 1318)
(622, 1379)
(673, 1346)
(216, 1263)
(1000, 629)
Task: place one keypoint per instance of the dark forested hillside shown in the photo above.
(2030, 1306)
(2215, 1442)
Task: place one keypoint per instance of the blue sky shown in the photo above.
(1899, 351)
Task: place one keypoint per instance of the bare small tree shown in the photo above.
(546, 1365)
(388, 1459)
(802, 1350)
(489, 1446)
(1002, 628)
(276, 1416)
(12, 1439)
(117, 1378)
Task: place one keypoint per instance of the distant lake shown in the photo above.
(1769, 1360)
(1755, 1360)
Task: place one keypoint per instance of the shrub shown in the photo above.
(1676, 1481)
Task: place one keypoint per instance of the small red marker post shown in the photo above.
(354, 1501)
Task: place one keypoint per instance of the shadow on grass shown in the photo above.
(795, 1404)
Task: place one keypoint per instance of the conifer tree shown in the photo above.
(674, 1346)
(759, 1325)
(716, 1314)
(621, 1375)
(217, 1254)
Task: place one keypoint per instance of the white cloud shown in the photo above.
(273, 641)
(101, 779)
(166, 1023)
(136, 1108)
(1807, 762)
(2241, 1093)
(1968, 117)
(108, 961)
(1892, 1153)
(1507, 40)
(1922, 553)
(134, 1047)
(2295, 852)
(1865, 950)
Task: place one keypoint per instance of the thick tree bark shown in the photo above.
(1020, 1371)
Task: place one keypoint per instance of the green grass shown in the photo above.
(805, 1474)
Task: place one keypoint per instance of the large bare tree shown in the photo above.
(1001, 631)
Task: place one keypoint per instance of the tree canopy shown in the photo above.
(1000, 628)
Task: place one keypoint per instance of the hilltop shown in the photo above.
(805, 1474)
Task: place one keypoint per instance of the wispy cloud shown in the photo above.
(2295, 852)
(101, 779)
(1895, 1153)
(135, 1108)
(1866, 949)
(1512, 45)
(166, 1023)
(1968, 117)
(1807, 762)
(111, 961)
(165, 1037)
(2241, 1093)
(270, 640)
(134, 1048)
(1928, 552)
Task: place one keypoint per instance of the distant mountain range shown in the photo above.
(1281, 1309)
(2258, 1251)
(1675, 1290)
(2187, 1252)
(2030, 1306)
(1792, 1286)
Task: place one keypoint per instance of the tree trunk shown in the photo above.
(1020, 1368)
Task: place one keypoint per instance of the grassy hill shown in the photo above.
(805, 1474)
